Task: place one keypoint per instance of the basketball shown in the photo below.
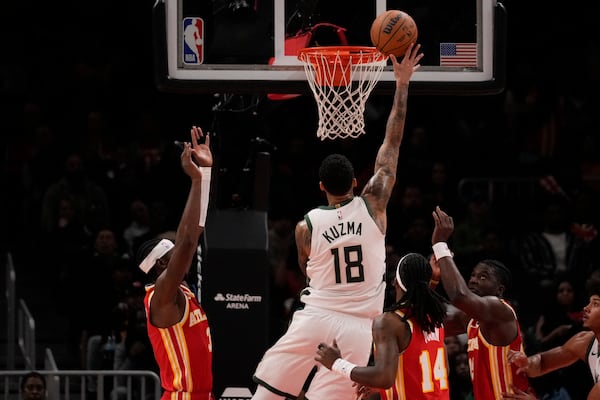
(393, 31)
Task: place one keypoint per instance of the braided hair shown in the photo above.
(420, 301)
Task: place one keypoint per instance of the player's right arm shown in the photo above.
(167, 300)
(550, 360)
(379, 188)
(391, 337)
(303, 237)
(485, 309)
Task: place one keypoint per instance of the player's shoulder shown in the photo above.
(303, 223)
(389, 318)
(583, 337)
(580, 343)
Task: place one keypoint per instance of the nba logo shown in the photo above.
(193, 40)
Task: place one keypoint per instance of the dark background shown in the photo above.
(62, 61)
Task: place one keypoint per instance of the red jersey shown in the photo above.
(491, 373)
(183, 351)
(422, 367)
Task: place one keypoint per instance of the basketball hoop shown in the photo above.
(341, 79)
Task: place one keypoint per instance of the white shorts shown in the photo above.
(286, 365)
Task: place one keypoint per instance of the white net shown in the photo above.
(341, 79)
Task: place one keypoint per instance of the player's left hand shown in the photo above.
(201, 151)
(363, 392)
(519, 359)
(443, 228)
(327, 355)
(404, 69)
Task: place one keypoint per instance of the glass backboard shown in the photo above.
(250, 45)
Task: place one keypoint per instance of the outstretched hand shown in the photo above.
(201, 151)
(364, 392)
(404, 69)
(444, 226)
(519, 359)
(327, 355)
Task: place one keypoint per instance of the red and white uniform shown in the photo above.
(422, 367)
(491, 372)
(183, 351)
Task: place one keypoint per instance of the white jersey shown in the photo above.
(346, 264)
(593, 358)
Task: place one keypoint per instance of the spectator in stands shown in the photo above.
(88, 198)
(454, 344)
(560, 319)
(33, 386)
(134, 350)
(139, 224)
(407, 201)
(461, 387)
(551, 249)
(63, 244)
(103, 279)
(418, 155)
(468, 233)
(441, 190)
(416, 235)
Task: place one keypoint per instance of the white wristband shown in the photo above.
(343, 367)
(204, 194)
(440, 249)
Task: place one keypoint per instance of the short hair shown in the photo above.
(336, 173)
(500, 270)
(592, 286)
(32, 374)
(420, 301)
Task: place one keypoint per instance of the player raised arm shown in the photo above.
(484, 308)
(379, 188)
(168, 298)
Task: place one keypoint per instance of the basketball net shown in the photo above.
(341, 79)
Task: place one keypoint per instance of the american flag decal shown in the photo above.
(458, 54)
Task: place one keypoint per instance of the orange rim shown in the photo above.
(358, 54)
(344, 56)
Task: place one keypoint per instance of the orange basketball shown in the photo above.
(392, 31)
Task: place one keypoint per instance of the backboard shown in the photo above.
(249, 46)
